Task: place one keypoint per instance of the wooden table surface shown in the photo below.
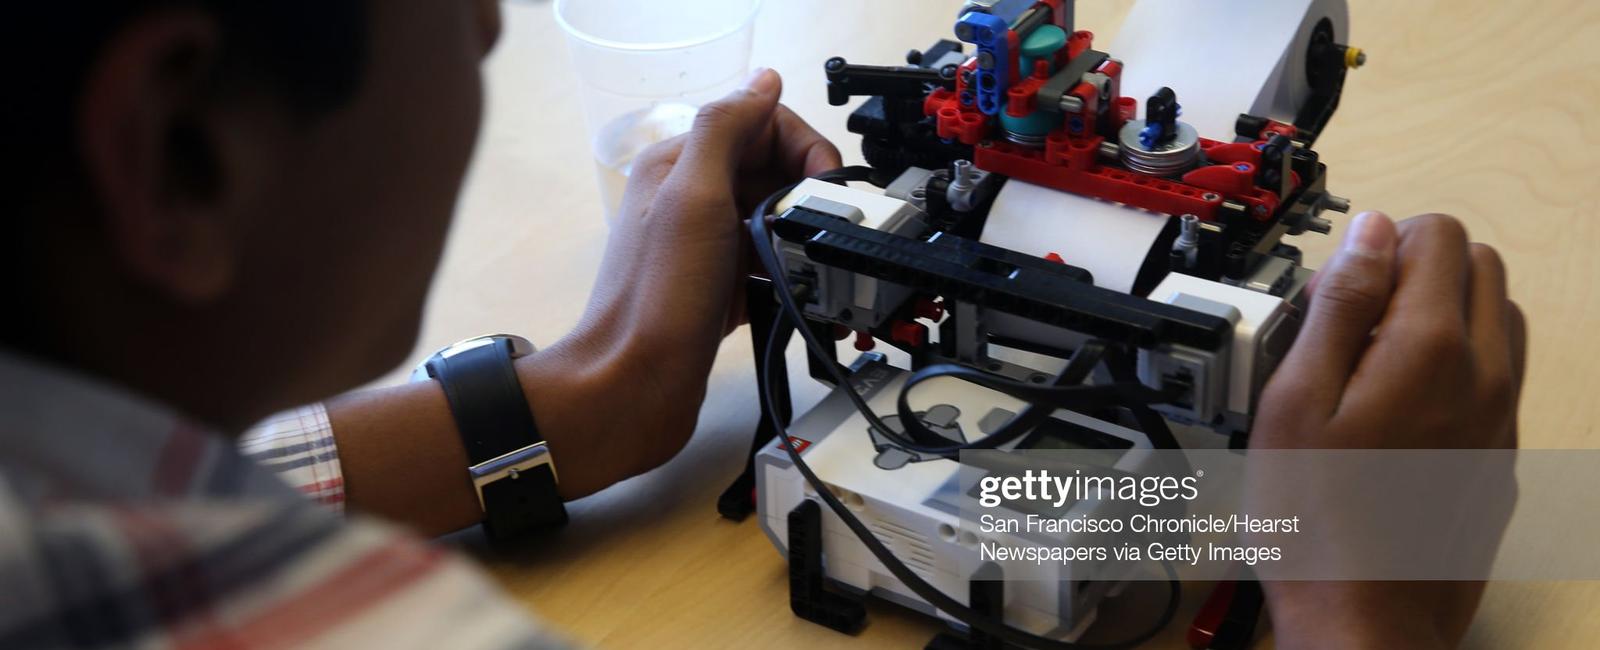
(1477, 108)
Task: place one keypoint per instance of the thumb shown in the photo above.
(724, 128)
(1350, 297)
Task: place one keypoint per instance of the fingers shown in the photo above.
(790, 148)
(801, 150)
(1352, 295)
(789, 152)
(725, 128)
(649, 171)
(1425, 338)
(1519, 367)
(1489, 312)
(1498, 339)
(746, 145)
(1435, 272)
(1519, 345)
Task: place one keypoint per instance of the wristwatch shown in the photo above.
(511, 467)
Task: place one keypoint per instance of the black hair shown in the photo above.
(307, 53)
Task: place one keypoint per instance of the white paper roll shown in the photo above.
(1224, 57)
(1109, 239)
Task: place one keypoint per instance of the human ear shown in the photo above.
(150, 139)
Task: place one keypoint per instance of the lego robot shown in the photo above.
(1011, 348)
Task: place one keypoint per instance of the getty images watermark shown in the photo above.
(1291, 515)
(1046, 492)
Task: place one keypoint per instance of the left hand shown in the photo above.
(633, 375)
(1410, 342)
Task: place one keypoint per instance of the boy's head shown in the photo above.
(233, 205)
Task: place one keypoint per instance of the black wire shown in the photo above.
(1078, 368)
(1042, 400)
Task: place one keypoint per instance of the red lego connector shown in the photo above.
(1280, 128)
(1274, 127)
(1020, 99)
(1231, 179)
(909, 333)
(1079, 42)
(1236, 152)
(956, 121)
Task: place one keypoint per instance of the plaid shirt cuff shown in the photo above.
(298, 446)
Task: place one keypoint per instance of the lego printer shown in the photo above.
(1059, 247)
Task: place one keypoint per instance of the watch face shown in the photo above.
(520, 347)
(420, 373)
(464, 346)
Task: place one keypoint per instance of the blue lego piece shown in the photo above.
(1150, 135)
(1009, 10)
(989, 34)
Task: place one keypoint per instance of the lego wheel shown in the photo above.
(886, 158)
(890, 159)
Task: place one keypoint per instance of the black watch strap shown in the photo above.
(510, 466)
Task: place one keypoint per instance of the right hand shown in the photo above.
(1407, 324)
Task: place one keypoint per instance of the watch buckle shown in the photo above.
(510, 466)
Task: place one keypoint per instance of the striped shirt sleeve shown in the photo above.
(241, 573)
(298, 446)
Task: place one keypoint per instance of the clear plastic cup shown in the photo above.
(645, 67)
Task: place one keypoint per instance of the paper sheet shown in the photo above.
(1109, 239)
(1223, 57)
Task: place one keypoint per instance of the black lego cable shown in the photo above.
(790, 319)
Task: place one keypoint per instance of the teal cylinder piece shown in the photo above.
(1043, 42)
(1034, 125)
